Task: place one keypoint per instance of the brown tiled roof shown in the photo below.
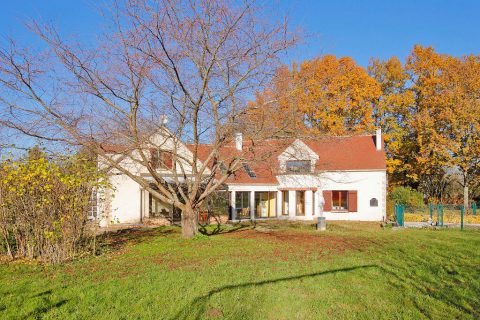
(114, 148)
(347, 153)
(335, 154)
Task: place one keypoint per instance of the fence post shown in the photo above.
(402, 209)
(399, 217)
(440, 215)
(443, 214)
(399, 209)
(430, 209)
(462, 212)
(474, 208)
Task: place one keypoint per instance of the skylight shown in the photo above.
(222, 166)
(249, 170)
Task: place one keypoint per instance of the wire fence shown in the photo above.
(437, 215)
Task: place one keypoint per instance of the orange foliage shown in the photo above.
(324, 95)
(336, 95)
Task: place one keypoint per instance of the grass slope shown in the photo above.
(278, 271)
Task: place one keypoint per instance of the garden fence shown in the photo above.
(437, 215)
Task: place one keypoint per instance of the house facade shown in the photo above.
(341, 178)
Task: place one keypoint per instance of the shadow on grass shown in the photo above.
(222, 229)
(199, 304)
(43, 293)
(115, 240)
(45, 306)
(38, 312)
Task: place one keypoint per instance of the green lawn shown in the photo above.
(278, 271)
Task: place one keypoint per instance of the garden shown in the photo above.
(274, 270)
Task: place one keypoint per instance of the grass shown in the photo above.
(277, 271)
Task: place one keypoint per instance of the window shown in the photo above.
(285, 203)
(161, 159)
(300, 203)
(264, 204)
(249, 170)
(299, 166)
(373, 202)
(339, 200)
(92, 214)
(156, 207)
(242, 204)
(216, 202)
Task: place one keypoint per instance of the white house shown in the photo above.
(342, 178)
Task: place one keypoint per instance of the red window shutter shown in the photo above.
(154, 158)
(352, 201)
(167, 160)
(327, 197)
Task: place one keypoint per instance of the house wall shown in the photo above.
(369, 184)
(126, 201)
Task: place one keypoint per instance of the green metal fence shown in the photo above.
(399, 214)
(438, 215)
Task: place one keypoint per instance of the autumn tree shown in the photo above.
(394, 112)
(336, 95)
(447, 123)
(324, 95)
(195, 62)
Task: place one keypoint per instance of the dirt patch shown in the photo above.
(214, 313)
(272, 246)
(178, 263)
(298, 244)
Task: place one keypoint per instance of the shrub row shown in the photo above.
(44, 205)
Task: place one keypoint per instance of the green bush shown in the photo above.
(406, 196)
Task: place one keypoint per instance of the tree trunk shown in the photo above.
(9, 250)
(189, 222)
(465, 197)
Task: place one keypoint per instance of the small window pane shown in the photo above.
(339, 200)
(298, 166)
(242, 204)
(264, 204)
(300, 203)
(285, 203)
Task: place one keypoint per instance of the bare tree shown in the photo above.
(196, 62)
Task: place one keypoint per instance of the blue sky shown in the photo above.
(361, 29)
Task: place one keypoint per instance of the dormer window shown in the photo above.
(298, 166)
